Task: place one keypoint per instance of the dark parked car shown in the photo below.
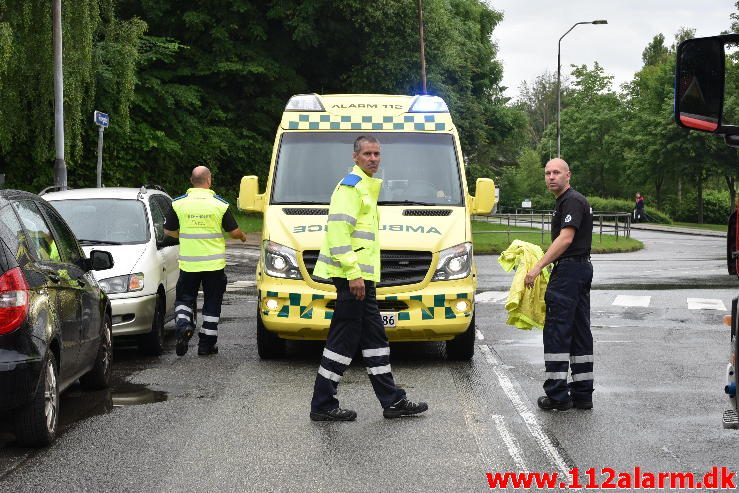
(55, 321)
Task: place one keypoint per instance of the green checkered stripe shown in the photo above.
(418, 122)
(435, 306)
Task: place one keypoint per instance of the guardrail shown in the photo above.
(616, 223)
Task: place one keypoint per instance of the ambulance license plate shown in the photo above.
(388, 319)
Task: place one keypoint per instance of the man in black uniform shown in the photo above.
(568, 342)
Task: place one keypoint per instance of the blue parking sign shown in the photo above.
(101, 119)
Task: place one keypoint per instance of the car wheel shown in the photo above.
(269, 345)
(462, 347)
(36, 423)
(152, 343)
(99, 376)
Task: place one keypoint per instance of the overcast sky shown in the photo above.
(527, 37)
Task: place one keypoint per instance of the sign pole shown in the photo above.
(101, 129)
(102, 120)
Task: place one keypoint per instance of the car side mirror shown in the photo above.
(168, 241)
(100, 260)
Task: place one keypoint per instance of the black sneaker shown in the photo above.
(337, 414)
(207, 350)
(404, 407)
(583, 404)
(548, 404)
(183, 338)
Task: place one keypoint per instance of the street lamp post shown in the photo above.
(559, 70)
(60, 167)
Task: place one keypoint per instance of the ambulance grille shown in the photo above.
(399, 267)
(427, 212)
(384, 305)
(296, 211)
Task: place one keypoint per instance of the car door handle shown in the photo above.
(54, 278)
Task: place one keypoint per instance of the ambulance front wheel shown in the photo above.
(462, 347)
(269, 346)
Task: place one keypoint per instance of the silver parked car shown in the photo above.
(128, 223)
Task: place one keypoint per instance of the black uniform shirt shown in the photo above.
(573, 210)
(172, 222)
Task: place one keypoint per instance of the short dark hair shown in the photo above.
(362, 139)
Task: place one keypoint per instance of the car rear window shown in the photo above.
(100, 221)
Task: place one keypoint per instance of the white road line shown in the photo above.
(511, 443)
(239, 285)
(479, 335)
(523, 410)
(626, 300)
(705, 304)
(491, 296)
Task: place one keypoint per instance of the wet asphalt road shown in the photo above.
(235, 423)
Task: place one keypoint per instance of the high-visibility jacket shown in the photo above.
(202, 246)
(526, 307)
(351, 248)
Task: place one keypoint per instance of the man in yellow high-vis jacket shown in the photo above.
(350, 256)
(199, 219)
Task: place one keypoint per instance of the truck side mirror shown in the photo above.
(249, 197)
(699, 84)
(484, 199)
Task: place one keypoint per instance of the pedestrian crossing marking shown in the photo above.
(491, 297)
(628, 300)
(705, 304)
(240, 285)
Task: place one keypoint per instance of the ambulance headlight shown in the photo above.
(280, 261)
(454, 263)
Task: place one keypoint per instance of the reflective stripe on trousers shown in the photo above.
(355, 325)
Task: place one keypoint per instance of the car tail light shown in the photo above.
(13, 300)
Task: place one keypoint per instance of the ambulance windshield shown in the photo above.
(416, 168)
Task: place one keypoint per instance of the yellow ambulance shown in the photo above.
(428, 276)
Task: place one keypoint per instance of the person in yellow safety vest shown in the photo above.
(199, 219)
(350, 256)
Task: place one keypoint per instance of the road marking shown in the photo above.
(243, 253)
(511, 443)
(544, 442)
(491, 296)
(705, 304)
(240, 285)
(479, 335)
(626, 300)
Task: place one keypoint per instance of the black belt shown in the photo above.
(583, 259)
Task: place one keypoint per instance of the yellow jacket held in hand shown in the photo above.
(526, 307)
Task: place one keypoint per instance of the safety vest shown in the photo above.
(351, 248)
(202, 246)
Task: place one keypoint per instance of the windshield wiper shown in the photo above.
(404, 202)
(98, 242)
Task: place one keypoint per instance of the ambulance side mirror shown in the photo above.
(249, 197)
(484, 199)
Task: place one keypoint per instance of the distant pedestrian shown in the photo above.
(639, 208)
(199, 219)
(568, 341)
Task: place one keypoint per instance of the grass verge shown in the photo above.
(490, 238)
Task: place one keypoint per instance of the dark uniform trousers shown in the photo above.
(355, 325)
(214, 285)
(568, 342)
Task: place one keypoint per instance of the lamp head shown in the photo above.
(600, 21)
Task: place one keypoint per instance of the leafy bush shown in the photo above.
(600, 204)
(716, 207)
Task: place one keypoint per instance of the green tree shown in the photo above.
(91, 33)
(591, 140)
